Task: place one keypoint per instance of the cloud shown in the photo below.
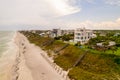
(34, 11)
(47, 14)
(113, 2)
(110, 25)
(91, 1)
(104, 25)
(63, 7)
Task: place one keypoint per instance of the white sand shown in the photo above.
(31, 65)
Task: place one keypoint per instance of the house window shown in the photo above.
(77, 37)
(89, 34)
(79, 34)
(81, 37)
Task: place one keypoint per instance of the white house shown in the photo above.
(82, 35)
(56, 33)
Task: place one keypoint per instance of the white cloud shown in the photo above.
(91, 1)
(113, 2)
(33, 11)
(44, 13)
(63, 7)
(87, 24)
(102, 25)
(118, 20)
(105, 25)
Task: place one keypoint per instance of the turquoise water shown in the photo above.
(5, 39)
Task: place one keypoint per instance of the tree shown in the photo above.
(105, 45)
(58, 38)
(110, 34)
(78, 44)
(117, 41)
(66, 38)
(113, 48)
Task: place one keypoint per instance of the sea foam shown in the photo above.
(8, 48)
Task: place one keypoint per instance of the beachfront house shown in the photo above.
(82, 35)
(56, 33)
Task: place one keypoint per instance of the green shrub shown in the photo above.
(117, 60)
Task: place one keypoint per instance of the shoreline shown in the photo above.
(20, 70)
(30, 63)
(7, 59)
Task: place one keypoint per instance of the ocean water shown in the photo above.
(8, 48)
(6, 38)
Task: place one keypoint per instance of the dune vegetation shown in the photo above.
(94, 66)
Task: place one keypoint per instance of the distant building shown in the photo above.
(59, 32)
(117, 34)
(94, 35)
(33, 31)
(111, 43)
(56, 32)
(42, 34)
(67, 32)
(82, 35)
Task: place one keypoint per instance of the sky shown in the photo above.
(64, 14)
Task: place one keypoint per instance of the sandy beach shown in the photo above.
(30, 64)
